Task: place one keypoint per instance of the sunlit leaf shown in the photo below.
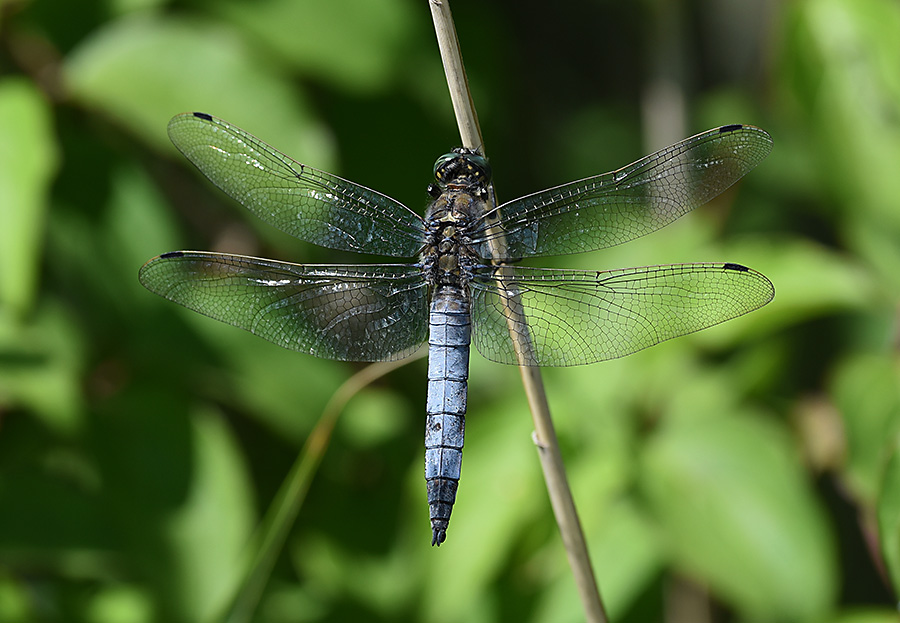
(633, 556)
(141, 70)
(866, 391)
(796, 268)
(863, 615)
(135, 205)
(211, 530)
(841, 69)
(313, 36)
(27, 161)
(120, 604)
(889, 516)
(41, 367)
(739, 516)
(846, 75)
(14, 601)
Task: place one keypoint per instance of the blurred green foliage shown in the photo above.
(746, 473)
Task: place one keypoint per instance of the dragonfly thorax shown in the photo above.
(447, 256)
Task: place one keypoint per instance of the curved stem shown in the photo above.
(284, 509)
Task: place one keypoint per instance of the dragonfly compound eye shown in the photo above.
(462, 163)
(481, 166)
(441, 164)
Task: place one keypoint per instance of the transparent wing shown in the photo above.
(304, 202)
(576, 317)
(350, 313)
(613, 208)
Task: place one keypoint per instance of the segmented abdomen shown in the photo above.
(448, 373)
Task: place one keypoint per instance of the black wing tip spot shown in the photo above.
(172, 254)
(736, 267)
(730, 128)
(203, 115)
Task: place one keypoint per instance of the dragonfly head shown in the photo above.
(462, 167)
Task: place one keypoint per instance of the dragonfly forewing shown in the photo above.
(609, 209)
(575, 317)
(350, 313)
(304, 202)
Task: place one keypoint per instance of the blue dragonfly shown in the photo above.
(462, 289)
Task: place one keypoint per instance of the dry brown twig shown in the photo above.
(544, 434)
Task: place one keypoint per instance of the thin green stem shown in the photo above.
(287, 503)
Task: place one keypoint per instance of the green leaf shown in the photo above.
(41, 366)
(14, 600)
(877, 244)
(627, 557)
(866, 391)
(139, 225)
(796, 267)
(357, 44)
(28, 160)
(373, 417)
(732, 500)
(841, 71)
(889, 517)
(211, 530)
(143, 70)
(867, 616)
(845, 74)
(120, 603)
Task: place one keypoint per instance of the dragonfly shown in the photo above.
(462, 288)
